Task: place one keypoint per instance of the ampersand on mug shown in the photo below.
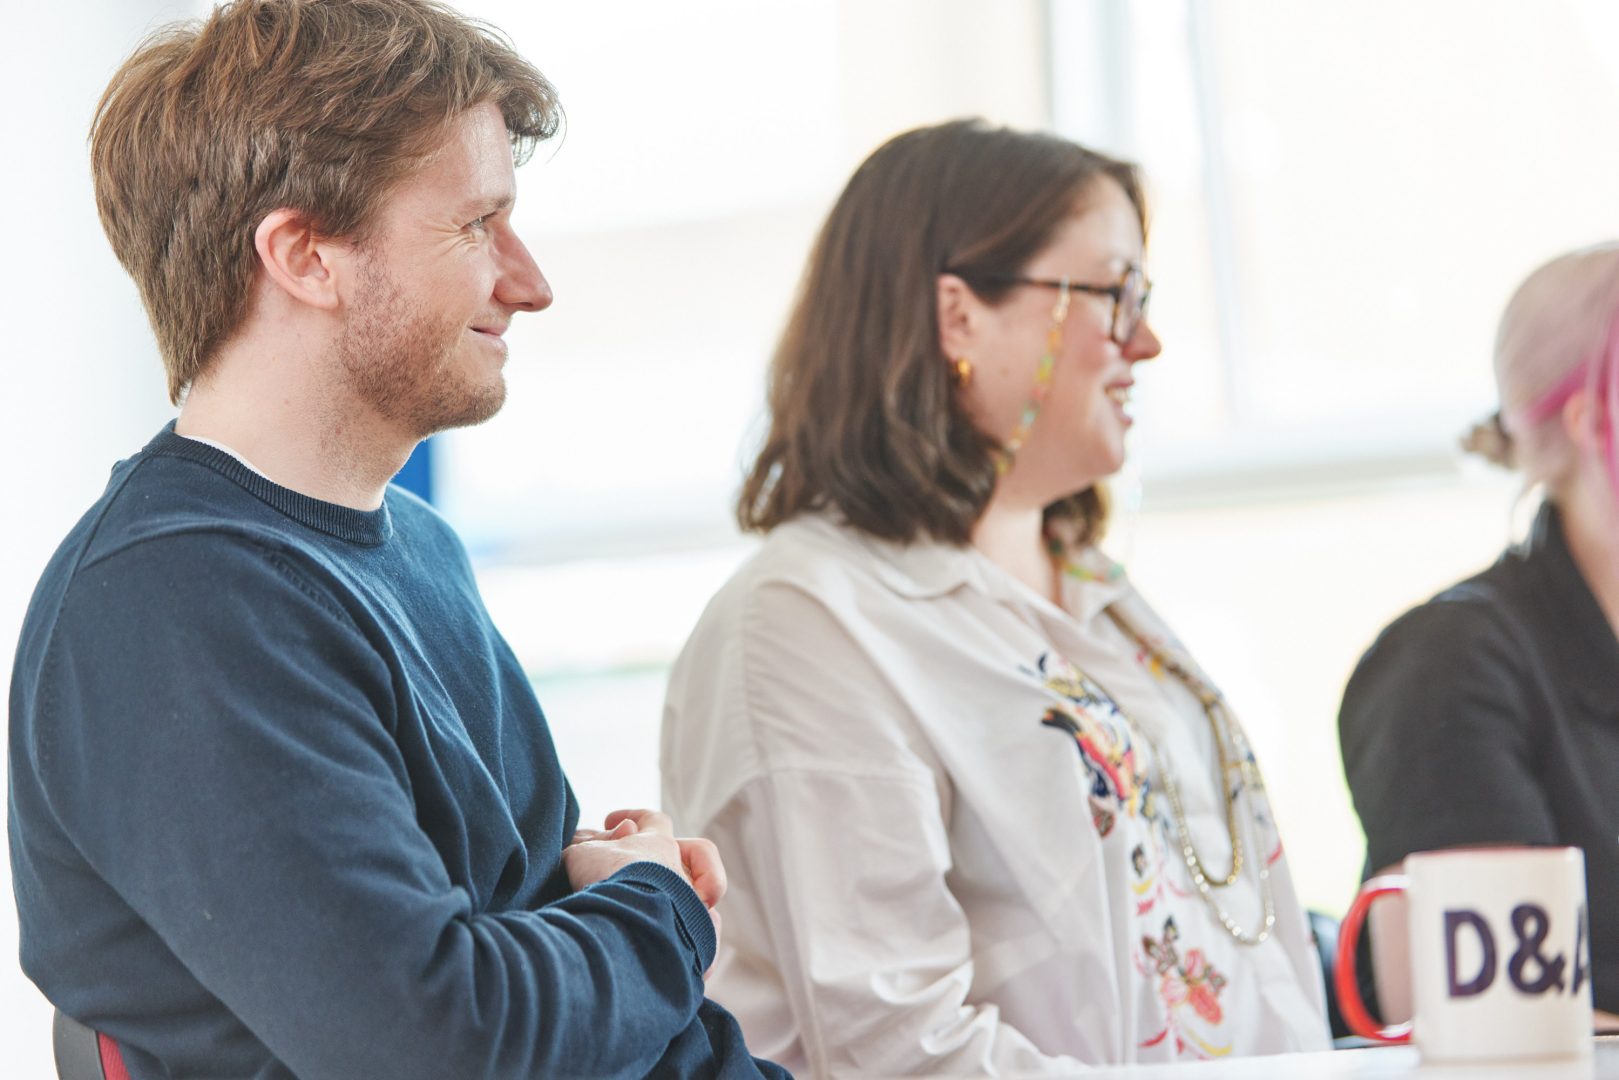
(1531, 926)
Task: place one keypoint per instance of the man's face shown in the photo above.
(436, 286)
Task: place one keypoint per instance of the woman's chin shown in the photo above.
(1105, 466)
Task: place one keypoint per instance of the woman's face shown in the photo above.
(1078, 436)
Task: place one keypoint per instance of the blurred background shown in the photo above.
(1343, 194)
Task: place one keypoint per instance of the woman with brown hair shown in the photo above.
(981, 811)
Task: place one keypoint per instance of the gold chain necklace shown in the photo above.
(1211, 700)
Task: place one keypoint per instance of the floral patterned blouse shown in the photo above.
(951, 814)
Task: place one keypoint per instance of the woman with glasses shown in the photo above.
(981, 812)
(1490, 714)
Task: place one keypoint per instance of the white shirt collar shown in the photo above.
(222, 448)
(926, 569)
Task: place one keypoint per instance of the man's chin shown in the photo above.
(470, 410)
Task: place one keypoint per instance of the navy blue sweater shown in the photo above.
(283, 803)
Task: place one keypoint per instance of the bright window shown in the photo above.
(1343, 194)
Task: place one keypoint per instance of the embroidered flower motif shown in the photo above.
(1161, 951)
(1195, 983)
(1189, 981)
(1150, 880)
(1102, 817)
(1119, 785)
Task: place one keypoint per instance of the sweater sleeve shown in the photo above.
(1439, 736)
(215, 739)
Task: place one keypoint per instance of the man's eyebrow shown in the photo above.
(490, 205)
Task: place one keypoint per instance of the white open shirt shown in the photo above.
(919, 877)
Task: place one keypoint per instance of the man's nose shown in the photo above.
(521, 284)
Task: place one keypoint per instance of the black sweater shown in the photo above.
(1490, 714)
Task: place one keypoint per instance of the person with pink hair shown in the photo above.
(1490, 714)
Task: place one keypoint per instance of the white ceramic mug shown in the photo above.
(1499, 949)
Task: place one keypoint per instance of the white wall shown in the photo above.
(80, 382)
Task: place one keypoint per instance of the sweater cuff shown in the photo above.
(696, 926)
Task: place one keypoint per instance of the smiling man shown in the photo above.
(282, 800)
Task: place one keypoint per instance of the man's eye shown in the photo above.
(478, 224)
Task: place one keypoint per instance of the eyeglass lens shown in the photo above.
(1131, 306)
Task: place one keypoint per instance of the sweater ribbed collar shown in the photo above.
(368, 527)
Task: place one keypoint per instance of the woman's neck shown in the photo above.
(1588, 516)
(1013, 538)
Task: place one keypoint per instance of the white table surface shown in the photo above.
(1378, 1063)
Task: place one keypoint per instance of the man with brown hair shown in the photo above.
(282, 800)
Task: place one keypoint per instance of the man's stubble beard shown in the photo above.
(402, 363)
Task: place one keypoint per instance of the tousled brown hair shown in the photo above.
(864, 417)
(320, 106)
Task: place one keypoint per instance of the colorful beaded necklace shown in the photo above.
(1042, 383)
(1227, 733)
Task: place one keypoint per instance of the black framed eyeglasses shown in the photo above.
(1130, 296)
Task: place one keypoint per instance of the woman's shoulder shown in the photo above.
(810, 566)
(807, 548)
(826, 557)
(1476, 610)
(1467, 633)
(821, 594)
(788, 668)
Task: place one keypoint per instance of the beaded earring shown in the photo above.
(1042, 383)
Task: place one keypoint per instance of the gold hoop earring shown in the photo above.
(963, 370)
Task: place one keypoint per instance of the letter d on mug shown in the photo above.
(1499, 952)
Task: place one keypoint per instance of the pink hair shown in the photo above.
(1598, 375)
(1559, 335)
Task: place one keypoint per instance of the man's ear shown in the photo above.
(296, 260)
(958, 317)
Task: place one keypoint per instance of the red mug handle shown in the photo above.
(1350, 1005)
